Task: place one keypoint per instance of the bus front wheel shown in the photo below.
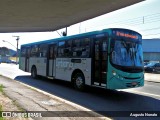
(34, 72)
(79, 81)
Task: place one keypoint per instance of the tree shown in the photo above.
(4, 51)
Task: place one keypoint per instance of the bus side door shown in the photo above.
(51, 60)
(100, 66)
(27, 56)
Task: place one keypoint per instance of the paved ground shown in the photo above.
(32, 100)
(9, 105)
(152, 77)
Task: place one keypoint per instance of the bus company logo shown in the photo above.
(63, 64)
(126, 35)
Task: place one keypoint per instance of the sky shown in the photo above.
(142, 17)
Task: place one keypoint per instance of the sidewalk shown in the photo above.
(31, 99)
(151, 77)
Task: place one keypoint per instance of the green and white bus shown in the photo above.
(111, 59)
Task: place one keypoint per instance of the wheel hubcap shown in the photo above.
(79, 81)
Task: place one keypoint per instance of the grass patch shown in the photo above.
(0, 107)
(17, 105)
(1, 88)
(1, 118)
(1, 91)
(13, 101)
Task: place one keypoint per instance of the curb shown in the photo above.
(61, 99)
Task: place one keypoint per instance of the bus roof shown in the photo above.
(50, 41)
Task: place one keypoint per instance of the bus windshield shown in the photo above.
(127, 53)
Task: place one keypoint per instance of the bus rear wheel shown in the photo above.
(34, 72)
(79, 81)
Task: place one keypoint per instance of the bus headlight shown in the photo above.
(117, 75)
(114, 73)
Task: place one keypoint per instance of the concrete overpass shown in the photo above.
(50, 15)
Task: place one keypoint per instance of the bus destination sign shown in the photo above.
(121, 34)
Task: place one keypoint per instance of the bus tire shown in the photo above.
(79, 81)
(34, 72)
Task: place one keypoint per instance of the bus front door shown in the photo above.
(100, 62)
(51, 61)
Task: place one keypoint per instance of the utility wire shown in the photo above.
(151, 34)
(143, 20)
(150, 29)
(59, 33)
(137, 21)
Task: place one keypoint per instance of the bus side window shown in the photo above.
(34, 51)
(76, 48)
(61, 47)
(81, 47)
(51, 56)
(96, 50)
(55, 51)
(85, 47)
(23, 52)
(68, 48)
(43, 50)
(104, 49)
(28, 52)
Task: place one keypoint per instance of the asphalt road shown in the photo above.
(146, 98)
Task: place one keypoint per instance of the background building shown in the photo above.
(151, 49)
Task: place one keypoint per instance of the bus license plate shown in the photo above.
(134, 83)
